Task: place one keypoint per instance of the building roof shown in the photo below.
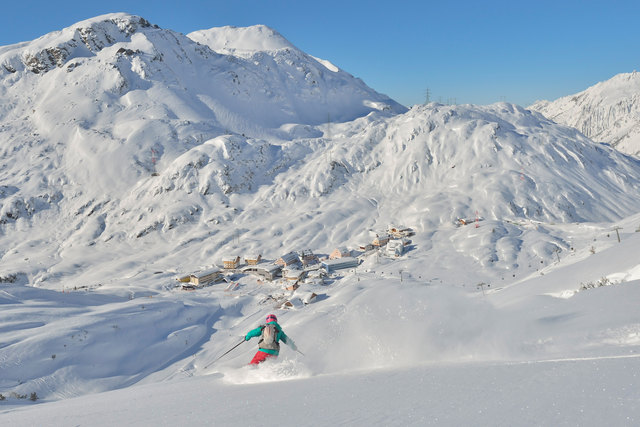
(290, 258)
(293, 273)
(271, 268)
(206, 273)
(343, 262)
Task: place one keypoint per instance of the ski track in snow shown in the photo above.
(581, 359)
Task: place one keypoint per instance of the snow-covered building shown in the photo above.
(399, 231)
(184, 279)
(381, 239)
(252, 259)
(395, 248)
(365, 246)
(293, 274)
(205, 277)
(291, 286)
(308, 257)
(231, 262)
(288, 259)
(340, 263)
(267, 270)
(340, 252)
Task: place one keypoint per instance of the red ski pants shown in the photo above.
(260, 357)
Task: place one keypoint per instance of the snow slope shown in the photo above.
(559, 392)
(608, 112)
(131, 155)
(377, 350)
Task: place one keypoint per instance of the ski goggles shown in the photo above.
(272, 318)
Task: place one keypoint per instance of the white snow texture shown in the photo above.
(132, 155)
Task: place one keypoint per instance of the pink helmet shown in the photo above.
(272, 318)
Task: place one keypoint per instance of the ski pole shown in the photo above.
(299, 352)
(229, 351)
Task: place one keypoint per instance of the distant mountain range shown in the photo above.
(606, 112)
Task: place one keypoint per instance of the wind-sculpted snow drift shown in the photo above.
(131, 154)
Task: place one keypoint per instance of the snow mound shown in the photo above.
(241, 41)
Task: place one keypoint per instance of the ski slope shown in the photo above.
(377, 350)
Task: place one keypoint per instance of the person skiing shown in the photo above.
(270, 336)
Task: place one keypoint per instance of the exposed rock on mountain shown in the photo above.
(607, 112)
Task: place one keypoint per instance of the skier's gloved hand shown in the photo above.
(247, 337)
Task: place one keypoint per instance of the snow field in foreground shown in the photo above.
(599, 391)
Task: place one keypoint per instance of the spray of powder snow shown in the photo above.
(382, 327)
(378, 325)
(268, 371)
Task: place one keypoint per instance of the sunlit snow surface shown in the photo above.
(608, 111)
(123, 170)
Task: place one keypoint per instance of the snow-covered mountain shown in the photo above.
(88, 111)
(607, 112)
(131, 155)
(116, 129)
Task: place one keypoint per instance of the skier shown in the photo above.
(270, 334)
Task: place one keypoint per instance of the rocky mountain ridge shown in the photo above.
(607, 112)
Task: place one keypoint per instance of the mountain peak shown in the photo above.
(608, 111)
(109, 26)
(241, 41)
(84, 38)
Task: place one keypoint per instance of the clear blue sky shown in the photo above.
(469, 51)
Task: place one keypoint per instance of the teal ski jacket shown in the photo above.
(281, 336)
